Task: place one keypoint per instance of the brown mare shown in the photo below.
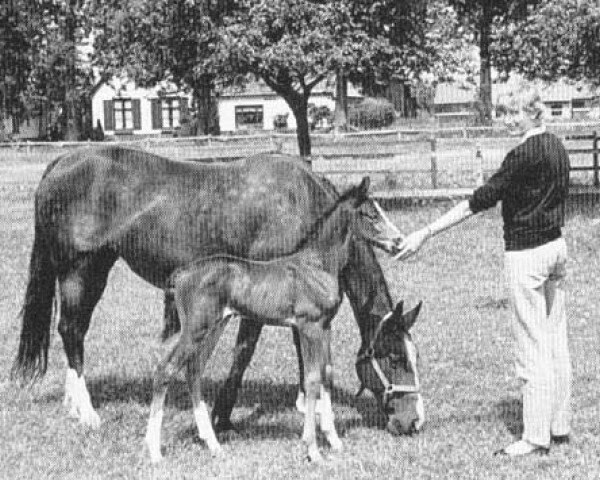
(299, 290)
(95, 205)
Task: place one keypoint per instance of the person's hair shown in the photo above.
(526, 99)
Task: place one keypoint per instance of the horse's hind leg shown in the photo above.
(80, 289)
(247, 338)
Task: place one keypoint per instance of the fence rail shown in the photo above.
(441, 158)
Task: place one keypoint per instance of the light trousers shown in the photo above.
(536, 282)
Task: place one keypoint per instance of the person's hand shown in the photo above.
(411, 244)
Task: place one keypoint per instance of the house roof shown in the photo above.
(561, 91)
(260, 89)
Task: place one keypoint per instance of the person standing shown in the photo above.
(532, 184)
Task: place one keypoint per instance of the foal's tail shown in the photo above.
(36, 313)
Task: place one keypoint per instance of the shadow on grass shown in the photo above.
(510, 411)
(262, 398)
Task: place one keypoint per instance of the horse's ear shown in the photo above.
(364, 185)
(409, 318)
(398, 309)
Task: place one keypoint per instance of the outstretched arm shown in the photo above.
(413, 242)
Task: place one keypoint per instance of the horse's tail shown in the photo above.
(36, 313)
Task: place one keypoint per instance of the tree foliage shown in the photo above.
(560, 38)
(17, 28)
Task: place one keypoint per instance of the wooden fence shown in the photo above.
(389, 153)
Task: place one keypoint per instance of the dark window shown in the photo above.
(249, 117)
(556, 109)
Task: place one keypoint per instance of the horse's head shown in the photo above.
(370, 222)
(387, 365)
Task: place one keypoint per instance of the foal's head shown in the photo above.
(368, 221)
(387, 366)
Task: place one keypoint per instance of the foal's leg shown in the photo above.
(301, 398)
(247, 338)
(196, 367)
(327, 417)
(169, 365)
(80, 289)
(311, 342)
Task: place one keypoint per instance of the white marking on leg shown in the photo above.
(78, 400)
(205, 429)
(327, 421)
(420, 413)
(301, 404)
(153, 435)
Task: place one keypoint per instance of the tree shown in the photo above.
(481, 16)
(156, 40)
(60, 79)
(293, 45)
(17, 28)
(560, 38)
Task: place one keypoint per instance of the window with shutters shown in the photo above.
(123, 113)
(170, 109)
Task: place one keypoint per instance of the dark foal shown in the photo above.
(300, 290)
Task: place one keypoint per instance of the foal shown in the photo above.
(300, 290)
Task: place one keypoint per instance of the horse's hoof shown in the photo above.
(336, 445)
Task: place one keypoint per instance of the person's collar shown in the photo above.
(533, 131)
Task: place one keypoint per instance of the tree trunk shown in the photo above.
(340, 115)
(204, 96)
(299, 106)
(485, 72)
(72, 110)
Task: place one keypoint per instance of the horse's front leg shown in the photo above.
(248, 335)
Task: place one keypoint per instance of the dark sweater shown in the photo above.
(533, 184)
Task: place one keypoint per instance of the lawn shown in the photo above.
(471, 397)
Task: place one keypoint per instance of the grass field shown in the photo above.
(471, 397)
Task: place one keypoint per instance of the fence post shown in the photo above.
(434, 166)
(479, 161)
(595, 157)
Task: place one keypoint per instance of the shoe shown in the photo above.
(522, 448)
(560, 439)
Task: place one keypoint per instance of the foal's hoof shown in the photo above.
(314, 456)
(217, 452)
(90, 419)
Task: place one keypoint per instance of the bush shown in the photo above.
(371, 113)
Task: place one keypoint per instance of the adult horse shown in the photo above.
(95, 205)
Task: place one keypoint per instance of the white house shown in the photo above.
(457, 103)
(256, 106)
(122, 108)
